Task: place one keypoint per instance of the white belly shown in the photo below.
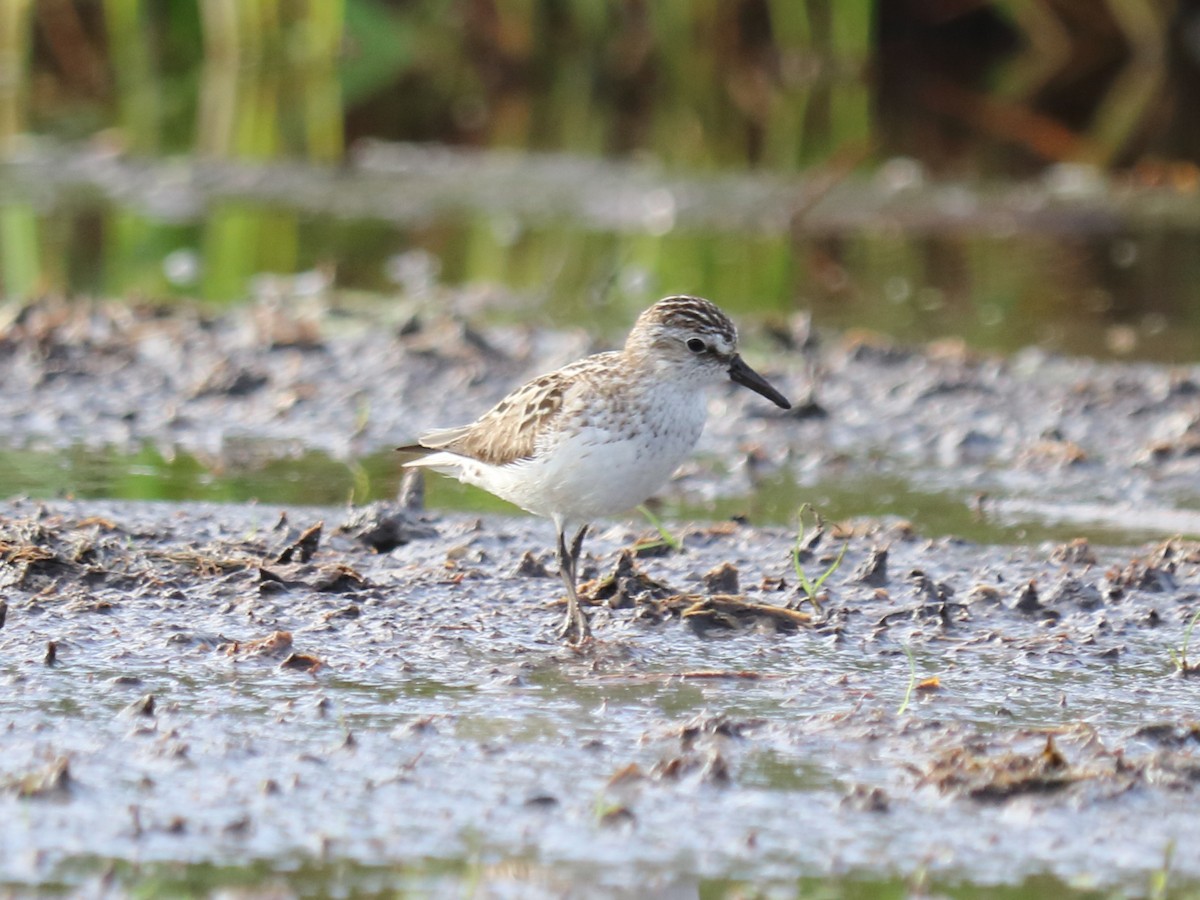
(599, 470)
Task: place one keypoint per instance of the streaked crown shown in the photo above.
(672, 317)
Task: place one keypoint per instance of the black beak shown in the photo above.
(744, 375)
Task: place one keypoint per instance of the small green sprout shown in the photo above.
(805, 542)
(608, 811)
(912, 679)
(1180, 656)
(360, 489)
(1160, 879)
(666, 539)
(362, 416)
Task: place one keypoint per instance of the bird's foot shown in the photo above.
(575, 629)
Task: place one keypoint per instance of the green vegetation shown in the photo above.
(912, 680)
(805, 541)
(266, 81)
(1161, 879)
(468, 876)
(273, 89)
(1179, 656)
(665, 537)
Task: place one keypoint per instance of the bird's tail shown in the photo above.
(414, 456)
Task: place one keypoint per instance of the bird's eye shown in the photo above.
(696, 345)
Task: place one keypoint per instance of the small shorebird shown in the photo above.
(599, 436)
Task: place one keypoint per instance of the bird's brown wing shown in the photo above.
(509, 431)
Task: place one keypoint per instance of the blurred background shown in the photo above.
(1015, 172)
(1008, 173)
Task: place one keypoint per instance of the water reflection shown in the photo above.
(269, 475)
(876, 147)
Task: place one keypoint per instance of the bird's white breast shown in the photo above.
(605, 459)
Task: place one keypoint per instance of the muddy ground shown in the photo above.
(228, 686)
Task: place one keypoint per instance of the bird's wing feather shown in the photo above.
(509, 431)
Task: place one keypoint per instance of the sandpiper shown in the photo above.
(599, 436)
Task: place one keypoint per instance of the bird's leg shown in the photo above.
(575, 626)
(566, 569)
(577, 548)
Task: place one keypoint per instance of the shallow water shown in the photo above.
(1102, 270)
(936, 505)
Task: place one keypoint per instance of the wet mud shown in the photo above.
(380, 689)
(226, 685)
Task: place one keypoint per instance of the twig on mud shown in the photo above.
(205, 563)
(707, 674)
